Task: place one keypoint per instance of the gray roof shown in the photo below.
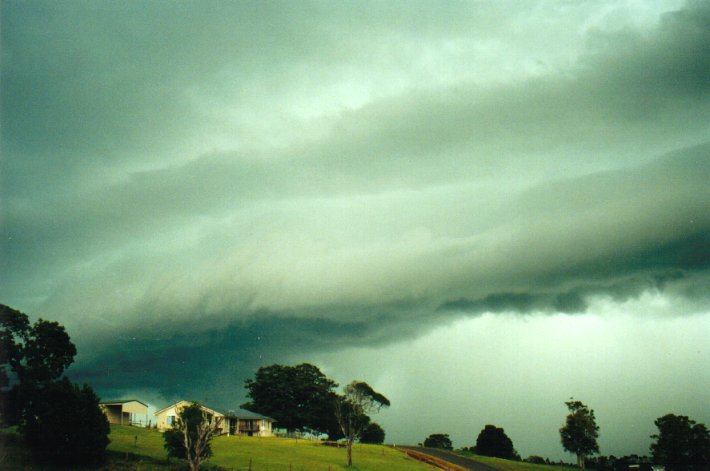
(243, 414)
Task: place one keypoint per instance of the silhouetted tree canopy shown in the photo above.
(492, 441)
(65, 425)
(439, 440)
(681, 444)
(372, 433)
(299, 397)
(580, 432)
(61, 422)
(35, 353)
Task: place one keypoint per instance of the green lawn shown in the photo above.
(139, 449)
(507, 465)
(273, 454)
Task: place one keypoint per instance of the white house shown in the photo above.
(125, 412)
(234, 422)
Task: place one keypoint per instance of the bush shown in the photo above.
(492, 441)
(438, 440)
(64, 425)
(372, 433)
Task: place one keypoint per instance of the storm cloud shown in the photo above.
(215, 186)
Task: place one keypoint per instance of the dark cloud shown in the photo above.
(211, 187)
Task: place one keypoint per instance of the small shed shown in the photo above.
(125, 412)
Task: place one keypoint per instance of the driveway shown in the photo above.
(451, 458)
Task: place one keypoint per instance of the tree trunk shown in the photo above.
(350, 452)
(580, 461)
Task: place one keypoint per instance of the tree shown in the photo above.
(36, 354)
(580, 432)
(65, 425)
(352, 411)
(14, 325)
(439, 440)
(61, 422)
(191, 435)
(492, 441)
(299, 397)
(372, 433)
(681, 443)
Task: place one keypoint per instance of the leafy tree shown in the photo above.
(61, 422)
(36, 354)
(65, 425)
(492, 441)
(580, 432)
(191, 435)
(439, 440)
(299, 397)
(681, 443)
(372, 433)
(535, 459)
(352, 411)
(14, 325)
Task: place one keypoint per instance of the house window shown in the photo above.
(170, 420)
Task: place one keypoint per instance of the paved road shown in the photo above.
(451, 458)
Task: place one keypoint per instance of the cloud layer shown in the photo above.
(238, 181)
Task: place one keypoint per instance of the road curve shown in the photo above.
(451, 458)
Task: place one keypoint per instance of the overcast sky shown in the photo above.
(480, 208)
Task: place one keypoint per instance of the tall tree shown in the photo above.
(61, 421)
(299, 397)
(492, 441)
(192, 434)
(681, 443)
(36, 354)
(580, 432)
(352, 410)
(439, 440)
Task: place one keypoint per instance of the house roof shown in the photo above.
(237, 413)
(243, 414)
(187, 402)
(121, 401)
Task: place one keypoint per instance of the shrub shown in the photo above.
(438, 440)
(64, 425)
(372, 433)
(492, 441)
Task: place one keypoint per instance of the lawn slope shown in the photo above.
(508, 465)
(273, 454)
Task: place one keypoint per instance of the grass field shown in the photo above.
(139, 449)
(507, 465)
(272, 454)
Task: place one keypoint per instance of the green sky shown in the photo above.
(480, 208)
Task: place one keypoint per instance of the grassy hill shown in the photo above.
(266, 453)
(507, 465)
(139, 449)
